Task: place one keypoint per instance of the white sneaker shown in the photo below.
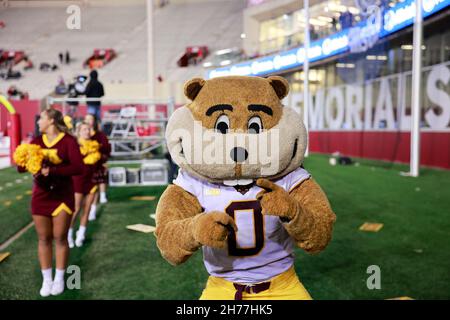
(70, 241)
(79, 240)
(92, 215)
(46, 288)
(103, 199)
(57, 288)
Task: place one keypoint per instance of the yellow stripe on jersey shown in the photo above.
(94, 189)
(49, 144)
(52, 155)
(62, 207)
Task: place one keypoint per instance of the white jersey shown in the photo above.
(261, 248)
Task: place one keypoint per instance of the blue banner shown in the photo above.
(354, 39)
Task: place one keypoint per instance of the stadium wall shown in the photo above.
(392, 146)
(27, 110)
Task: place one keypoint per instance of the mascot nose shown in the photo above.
(238, 154)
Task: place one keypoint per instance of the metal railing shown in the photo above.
(130, 136)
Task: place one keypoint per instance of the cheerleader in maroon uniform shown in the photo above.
(84, 186)
(52, 201)
(100, 176)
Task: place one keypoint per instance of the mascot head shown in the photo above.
(236, 130)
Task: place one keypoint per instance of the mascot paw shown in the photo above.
(275, 200)
(211, 229)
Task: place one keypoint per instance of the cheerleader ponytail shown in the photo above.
(58, 120)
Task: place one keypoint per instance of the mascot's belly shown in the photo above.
(262, 248)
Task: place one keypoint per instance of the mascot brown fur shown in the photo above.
(244, 212)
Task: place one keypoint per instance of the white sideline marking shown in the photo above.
(5, 244)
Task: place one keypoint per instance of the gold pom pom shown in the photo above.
(21, 155)
(92, 158)
(89, 149)
(29, 156)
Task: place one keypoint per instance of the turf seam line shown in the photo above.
(5, 244)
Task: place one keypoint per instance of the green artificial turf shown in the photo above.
(14, 202)
(412, 249)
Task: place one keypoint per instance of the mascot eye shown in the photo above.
(254, 125)
(222, 124)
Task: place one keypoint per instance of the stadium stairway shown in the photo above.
(42, 33)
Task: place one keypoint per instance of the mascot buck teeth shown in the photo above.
(242, 194)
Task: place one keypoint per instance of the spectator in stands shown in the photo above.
(346, 20)
(61, 87)
(45, 66)
(28, 64)
(11, 74)
(13, 92)
(334, 23)
(94, 89)
(67, 57)
(312, 33)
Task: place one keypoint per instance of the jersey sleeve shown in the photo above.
(187, 182)
(75, 165)
(293, 179)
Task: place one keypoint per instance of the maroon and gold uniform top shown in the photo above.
(54, 193)
(84, 183)
(100, 175)
(105, 146)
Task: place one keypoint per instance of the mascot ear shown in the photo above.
(193, 87)
(280, 85)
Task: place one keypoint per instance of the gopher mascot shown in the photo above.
(241, 193)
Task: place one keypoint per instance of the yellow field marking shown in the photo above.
(4, 255)
(141, 228)
(143, 198)
(371, 227)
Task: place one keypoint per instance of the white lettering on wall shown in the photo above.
(334, 108)
(368, 107)
(316, 112)
(384, 110)
(439, 74)
(354, 104)
(380, 104)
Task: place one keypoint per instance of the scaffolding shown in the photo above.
(134, 127)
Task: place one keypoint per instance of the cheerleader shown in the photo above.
(52, 201)
(100, 176)
(84, 186)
